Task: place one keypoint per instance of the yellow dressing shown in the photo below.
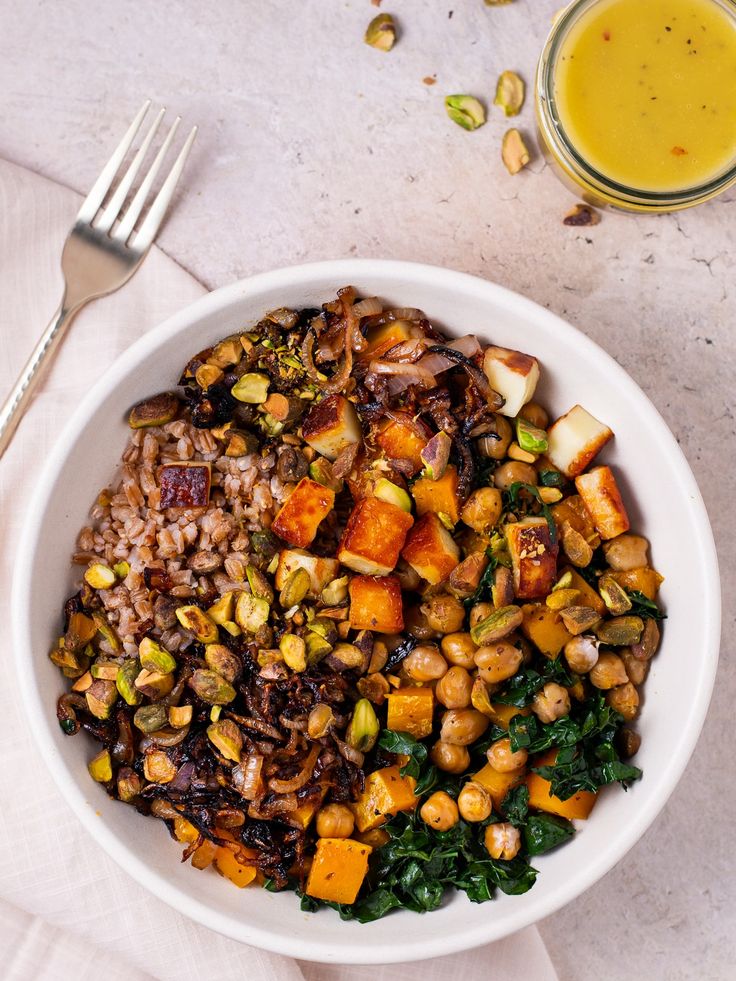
(646, 91)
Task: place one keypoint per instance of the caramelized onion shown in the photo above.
(246, 776)
(302, 777)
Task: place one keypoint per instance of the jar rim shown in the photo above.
(554, 134)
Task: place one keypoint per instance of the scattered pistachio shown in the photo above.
(251, 612)
(100, 576)
(564, 582)
(227, 738)
(158, 768)
(321, 720)
(227, 352)
(575, 547)
(222, 660)
(295, 588)
(621, 631)
(264, 543)
(530, 438)
(391, 493)
(346, 656)
(154, 684)
(107, 670)
(514, 152)
(325, 628)
(561, 599)
(294, 652)
(515, 452)
(106, 630)
(578, 619)
(81, 630)
(435, 456)
(510, 93)
(259, 585)
(207, 375)
(129, 784)
(156, 411)
(215, 713)
(150, 718)
(121, 569)
(321, 471)
(69, 660)
(497, 626)
(480, 699)
(335, 592)
(180, 716)
(223, 609)
(100, 767)
(232, 628)
(198, 623)
(211, 687)
(465, 110)
(362, 731)
(381, 32)
(83, 682)
(251, 388)
(154, 657)
(240, 443)
(549, 495)
(581, 215)
(614, 596)
(101, 696)
(317, 648)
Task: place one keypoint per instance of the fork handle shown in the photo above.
(14, 407)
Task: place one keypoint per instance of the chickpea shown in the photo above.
(444, 613)
(479, 612)
(513, 471)
(482, 509)
(449, 758)
(535, 414)
(552, 702)
(503, 759)
(474, 802)
(425, 663)
(498, 661)
(627, 742)
(461, 727)
(608, 672)
(459, 649)
(581, 653)
(335, 821)
(497, 440)
(502, 840)
(440, 811)
(626, 552)
(415, 623)
(453, 689)
(624, 699)
(409, 578)
(636, 670)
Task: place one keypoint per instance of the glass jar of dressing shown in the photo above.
(636, 101)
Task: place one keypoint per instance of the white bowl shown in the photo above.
(664, 503)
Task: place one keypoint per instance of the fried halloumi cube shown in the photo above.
(575, 439)
(300, 515)
(404, 438)
(375, 604)
(602, 498)
(513, 375)
(331, 425)
(430, 549)
(533, 557)
(321, 571)
(373, 537)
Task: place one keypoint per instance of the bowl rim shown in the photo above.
(396, 274)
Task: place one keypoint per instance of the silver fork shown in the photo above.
(99, 255)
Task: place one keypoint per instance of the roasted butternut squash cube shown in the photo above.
(430, 549)
(305, 812)
(578, 806)
(439, 496)
(375, 604)
(228, 866)
(300, 515)
(404, 438)
(644, 580)
(503, 714)
(321, 571)
(544, 628)
(572, 510)
(533, 557)
(338, 870)
(184, 830)
(331, 425)
(385, 793)
(575, 439)
(204, 855)
(602, 498)
(588, 596)
(410, 710)
(373, 537)
(498, 784)
(513, 375)
(382, 338)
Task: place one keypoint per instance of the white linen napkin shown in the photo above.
(66, 910)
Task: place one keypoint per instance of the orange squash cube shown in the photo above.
(503, 714)
(644, 580)
(305, 812)
(533, 557)
(572, 510)
(430, 549)
(498, 784)
(410, 710)
(602, 498)
(578, 806)
(544, 628)
(439, 496)
(385, 793)
(373, 537)
(338, 869)
(400, 439)
(588, 596)
(382, 338)
(228, 866)
(375, 604)
(300, 515)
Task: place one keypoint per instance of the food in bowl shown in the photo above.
(355, 619)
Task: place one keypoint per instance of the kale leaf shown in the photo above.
(642, 606)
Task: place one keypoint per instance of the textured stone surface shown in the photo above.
(313, 146)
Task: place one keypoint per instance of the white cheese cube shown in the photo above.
(331, 425)
(575, 439)
(513, 375)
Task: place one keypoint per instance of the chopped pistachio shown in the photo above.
(121, 569)
(240, 443)
(227, 738)
(436, 455)
(83, 682)
(154, 684)
(107, 670)
(465, 110)
(549, 495)
(100, 767)
(381, 32)
(264, 543)
(154, 657)
(107, 631)
(530, 438)
(180, 716)
(320, 470)
(564, 582)
(362, 731)
(156, 411)
(347, 655)
(514, 152)
(578, 619)
(129, 784)
(575, 547)
(222, 660)
(158, 768)
(215, 713)
(561, 599)
(100, 576)
(614, 596)
(81, 630)
(294, 652)
(207, 375)
(227, 352)
(251, 388)
(197, 621)
(479, 697)
(68, 660)
(497, 626)
(223, 608)
(150, 718)
(621, 631)
(295, 588)
(509, 93)
(325, 628)
(101, 696)
(321, 720)
(317, 648)
(515, 452)
(232, 628)
(335, 592)
(387, 490)
(211, 687)
(259, 585)
(251, 612)
(125, 681)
